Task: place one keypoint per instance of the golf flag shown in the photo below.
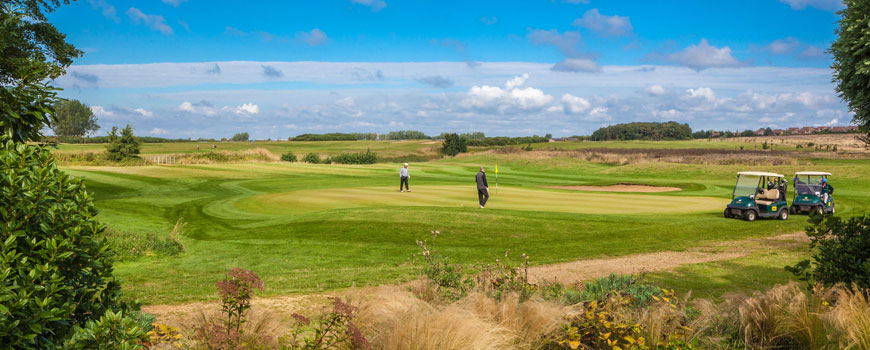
(496, 178)
(496, 168)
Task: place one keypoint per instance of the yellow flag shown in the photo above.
(496, 168)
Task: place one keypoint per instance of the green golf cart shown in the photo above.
(758, 195)
(808, 194)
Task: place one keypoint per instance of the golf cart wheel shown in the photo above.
(750, 215)
(833, 208)
(818, 210)
(783, 214)
(792, 210)
(727, 213)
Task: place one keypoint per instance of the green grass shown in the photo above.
(308, 228)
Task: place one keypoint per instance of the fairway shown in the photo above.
(509, 198)
(313, 227)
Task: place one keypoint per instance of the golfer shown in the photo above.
(827, 190)
(482, 188)
(403, 178)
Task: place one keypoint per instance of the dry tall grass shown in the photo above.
(851, 318)
(624, 156)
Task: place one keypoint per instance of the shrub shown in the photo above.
(450, 279)
(236, 291)
(325, 137)
(367, 157)
(288, 157)
(599, 289)
(333, 330)
(312, 158)
(842, 251)
(57, 270)
(453, 145)
(240, 137)
(502, 278)
(122, 147)
(113, 331)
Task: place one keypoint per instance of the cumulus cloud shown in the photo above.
(654, 90)
(155, 22)
(605, 25)
(202, 108)
(702, 93)
(576, 65)
(143, 112)
(101, 112)
(436, 81)
(509, 99)
(271, 72)
(703, 56)
(158, 131)
(827, 5)
(207, 109)
(107, 9)
(375, 5)
(247, 109)
(574, 105)
(314, 37)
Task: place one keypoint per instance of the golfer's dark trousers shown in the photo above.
(403, 182)
(483, 196)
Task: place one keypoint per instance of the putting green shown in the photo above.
(512, 198)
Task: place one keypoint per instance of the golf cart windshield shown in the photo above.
(746, 185)
(807, 184)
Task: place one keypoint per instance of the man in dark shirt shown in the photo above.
(482, 188)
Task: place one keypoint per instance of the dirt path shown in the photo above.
(582, 270)
(282, 307)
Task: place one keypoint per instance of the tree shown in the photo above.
(852, 61)
(768, 132)
(453, 144)
(123, 146)
(841, 251)
(242, 136)
(73, 118)
(31, 49)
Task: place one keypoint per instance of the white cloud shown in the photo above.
(599, 114)
(376, 5)
(703, 56)
(575, 105)
(143, 112)
(655, 90)
(155, 22)
(346, 102)
(247, 109)
(157, 131)
(827, 5)
(704, 93)
(197, 108)
(101, 112)
(605, 25)
(576, 65)
(517, 81)
(508, 99)
(107, 9)
(314, 37)
(783, 46)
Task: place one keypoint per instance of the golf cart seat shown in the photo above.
(767, 197)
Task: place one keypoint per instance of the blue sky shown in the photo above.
(195, 68)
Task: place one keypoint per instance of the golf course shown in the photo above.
(309, 228)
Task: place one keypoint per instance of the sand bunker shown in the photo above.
(619, 188)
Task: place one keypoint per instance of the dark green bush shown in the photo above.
(288, 157)
(325, 137)
(453, 145)
(842, 251)
(56, 267)
(123, 146)
(367, 157)
(312, 158)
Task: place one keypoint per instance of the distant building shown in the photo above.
(777, 132)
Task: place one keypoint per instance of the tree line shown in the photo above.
(648, 131)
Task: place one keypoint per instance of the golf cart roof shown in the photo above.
(812, 173)
(759, 173)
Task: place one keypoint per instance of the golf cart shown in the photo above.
(808, 194)
(758, 195)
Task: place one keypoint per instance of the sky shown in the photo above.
(275, 69)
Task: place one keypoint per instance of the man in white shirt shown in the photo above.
(404, 176)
